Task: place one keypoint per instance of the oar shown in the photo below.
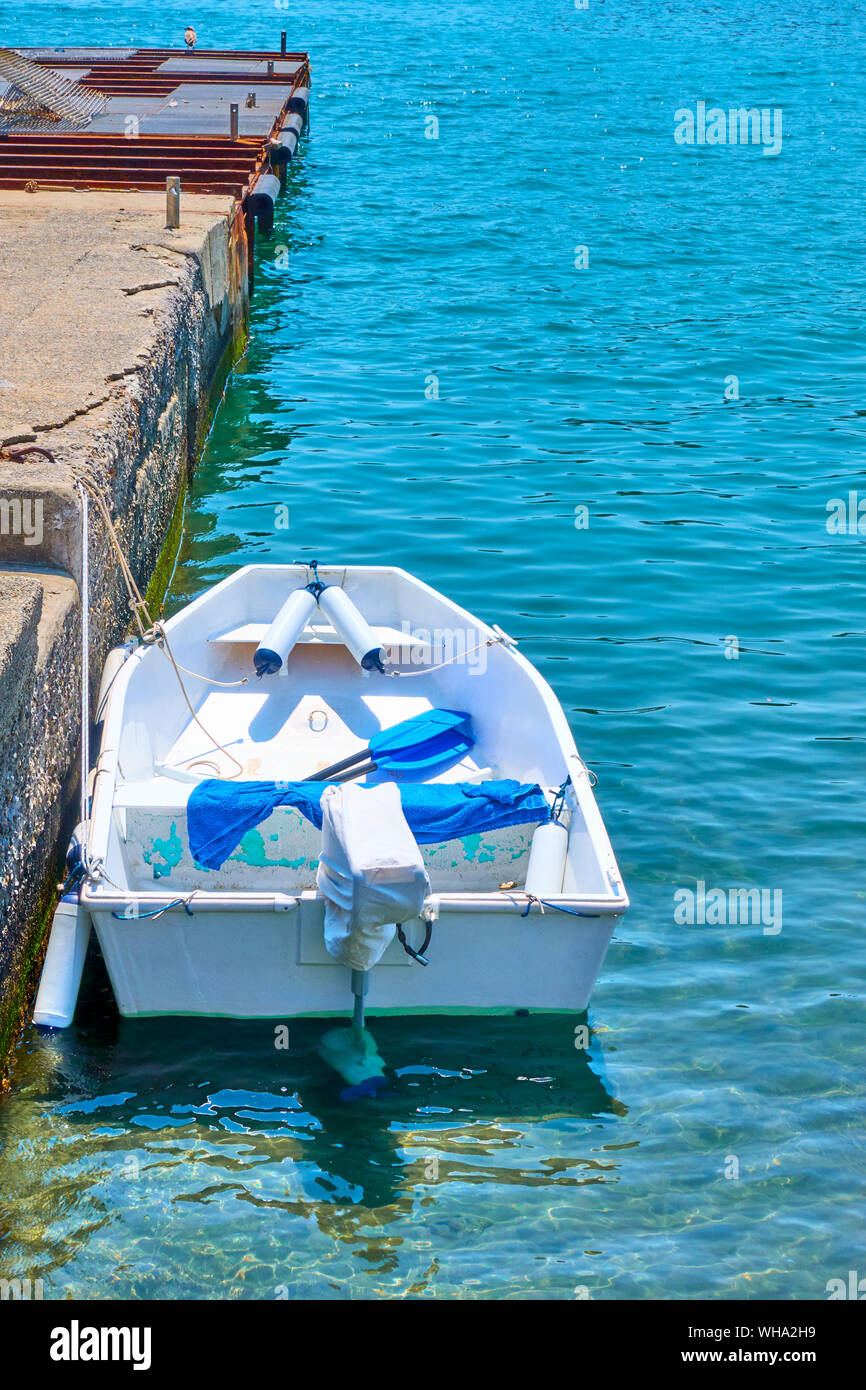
(425, 739)
(424, 759)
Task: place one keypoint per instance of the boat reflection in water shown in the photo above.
(159, 1128)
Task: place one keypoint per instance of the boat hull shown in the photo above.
(274, 964)
(246, 940)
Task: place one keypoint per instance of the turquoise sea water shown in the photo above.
(704, 632)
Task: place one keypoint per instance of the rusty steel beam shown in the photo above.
(83, 165)
(180, 143)
(76, 137)
(60, 169)
(121, 78)
(161, 55)
(61, 179)
(82, 158)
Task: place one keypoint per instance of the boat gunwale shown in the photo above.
(221, 900)
(99, 828)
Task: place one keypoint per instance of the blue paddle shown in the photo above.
(424, 741)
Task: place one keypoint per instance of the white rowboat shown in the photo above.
(246, 939)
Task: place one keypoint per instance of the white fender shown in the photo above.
(284, 632)
(269, 185)
(113, 662)
(64, 963)
(547, 856)
(355, 631)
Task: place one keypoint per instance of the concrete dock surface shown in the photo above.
(87, 277)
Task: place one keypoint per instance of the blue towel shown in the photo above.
(219, 813)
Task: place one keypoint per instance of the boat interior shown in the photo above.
(322, 707)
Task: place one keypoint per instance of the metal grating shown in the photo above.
(35, 95)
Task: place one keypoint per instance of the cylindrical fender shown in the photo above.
(354, 629)
(260, 202)
(64, 963)
(547, 857)
(284, 632)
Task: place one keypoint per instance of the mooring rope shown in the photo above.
(554, 907)
(155, 635)
(85, 662)
(138, 916)
(152, 633)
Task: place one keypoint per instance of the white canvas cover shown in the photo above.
(371, 873)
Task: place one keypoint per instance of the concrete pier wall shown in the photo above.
(115, 337)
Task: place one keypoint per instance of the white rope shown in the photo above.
(154, 632)
(85, 659)
(461, 656)
(156, 637)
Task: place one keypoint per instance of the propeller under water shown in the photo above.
(353, 1054)
(352, 1051)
